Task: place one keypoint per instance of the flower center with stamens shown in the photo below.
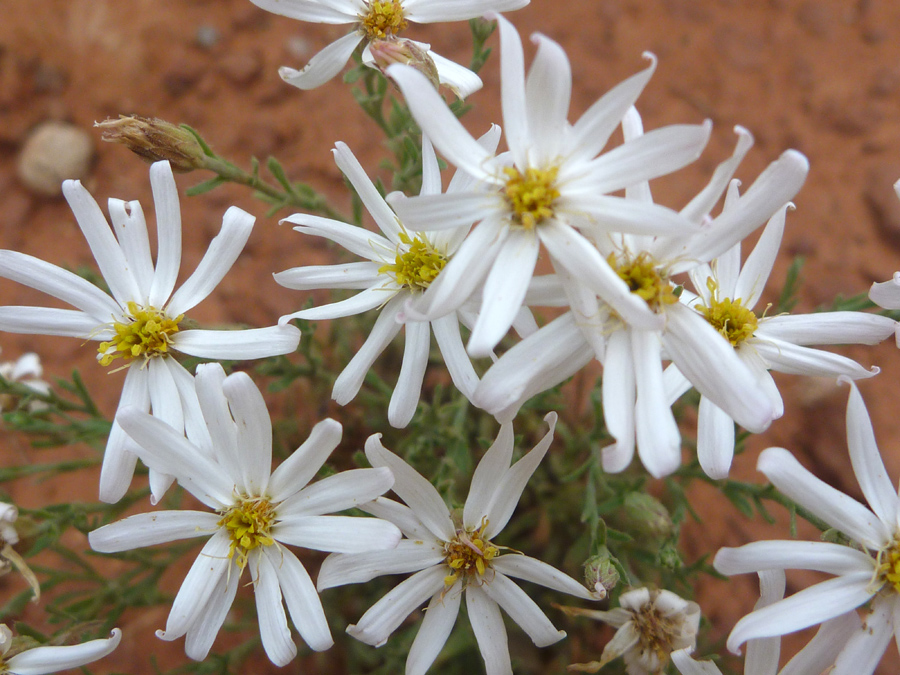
(469, 554)
(146, 331)
(658, 633)
(645, 280)
(888, 569)
(248, 524)
(734, 321)
(531, 195)
(385, 18)
(417, 267)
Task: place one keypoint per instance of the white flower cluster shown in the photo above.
(659, 296)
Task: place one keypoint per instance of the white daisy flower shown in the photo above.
(256, 513)
(51, 659)
(451, 558)
(553, 189)
(140, 323)
(25, 370)
(867, 571)
(727, 297)
(637, 396)
(763, 653)
(401, 265)
(8, 516)
(651, 625)
(376, 20)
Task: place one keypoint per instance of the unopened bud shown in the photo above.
(389, 51)
(154, 140)
(600, 574)
(647, 516)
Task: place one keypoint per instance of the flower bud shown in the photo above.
(154, 140)
(600, 573)
(389, 51)
(646, 516)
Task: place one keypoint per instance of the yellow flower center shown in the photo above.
(531, 195)
(418, 266)
(645, 280)
(385, 18)
(888, 565)
(469, 553)
(145, 332)
(248, 523)
(734, 321)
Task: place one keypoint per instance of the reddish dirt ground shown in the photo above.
(819, 76)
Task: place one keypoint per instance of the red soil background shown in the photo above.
(819, 76)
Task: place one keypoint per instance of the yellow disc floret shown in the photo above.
(385, 18)
(469, 553)
(248, 523)
(416, 268)
(645, 280)
(144, 331)
(658, 634)
(530, 195)
(734, 321)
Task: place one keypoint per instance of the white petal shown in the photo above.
(784, 357)
(401, 515)
(709, 361)
(340, 569)
(147, 529)
(301, 599)
(887, 293)
(218, 421)
(373, 201)
(864, 650)
(618, 389)
(298, 469)
(512, 483)
(165, 403)
(829, 328)
(495, 463)
(490, 633)
(431, 170)
(238, 345)
(412, 488)
(337, 534)
(358, 240)
(254, 430)
(324, 65)
(440, 617)
(512, 92)
(459, 79)
(42, 660)
(59, 283)
(382, 291)
(435, 119)
(332, 11)
(821, 556)
(595, 126)
(428, 11)
(406, 394)
(119, 459)
(438, 212)
(834, 507)
(823, 649)
(504, 291)
(810, 606)
(700, 206)
(867, 463)
(211, 565)
(538, 572)
(131, 230)
(168, 233)
(383, 618)
(202, 633)
(167, 450)
(273, 628)
(195, 427)
(339, 492)
(758, 267)
(715, 439)
(347, 384)
(223, 250)
(358, 275)
(687, 666)
(103, 244)
(459, 365)
(49, 321)
(548, 90)
(600, 214)
(523, 610)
